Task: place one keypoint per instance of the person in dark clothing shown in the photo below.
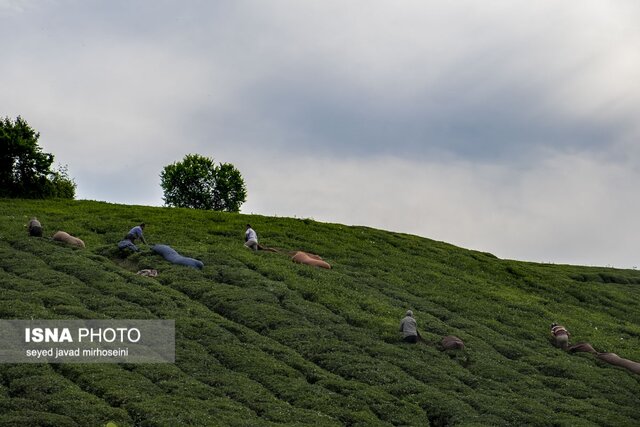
(35, 228)
(560, 336)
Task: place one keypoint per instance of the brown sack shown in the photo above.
(62, 236)
(616, 360)
(582, 347)
(451, 342)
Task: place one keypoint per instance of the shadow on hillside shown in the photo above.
(130, 261)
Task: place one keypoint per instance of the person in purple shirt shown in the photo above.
(136, 233)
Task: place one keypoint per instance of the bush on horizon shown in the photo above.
(197, 182)
(25, 170)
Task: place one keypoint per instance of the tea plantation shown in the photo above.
(263, 341)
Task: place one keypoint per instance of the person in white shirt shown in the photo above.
(409, 328)
(251, 238)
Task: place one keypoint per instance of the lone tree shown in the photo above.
(196, 182)
(25, 171)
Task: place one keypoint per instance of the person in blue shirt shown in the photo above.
(136, 233)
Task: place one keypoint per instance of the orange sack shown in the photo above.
(62, 236)
(309, 259)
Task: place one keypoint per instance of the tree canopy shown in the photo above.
(197, 182)
(25, 170)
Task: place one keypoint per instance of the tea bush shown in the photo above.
(263, 341)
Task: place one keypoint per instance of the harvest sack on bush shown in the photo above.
(584, 347)
(35, 228)
(147, 272)
(451, 342)
(310, 259)
(127, 244)
(62, 236)
(610, 358)
(616, 360)
(174, 257)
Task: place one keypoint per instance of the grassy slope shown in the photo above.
(262, 341)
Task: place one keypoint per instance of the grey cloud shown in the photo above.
(561, 210)
(413, 81)
(357, 91)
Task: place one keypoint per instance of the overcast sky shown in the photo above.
(510, 126)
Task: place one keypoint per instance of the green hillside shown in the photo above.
(263, 341)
